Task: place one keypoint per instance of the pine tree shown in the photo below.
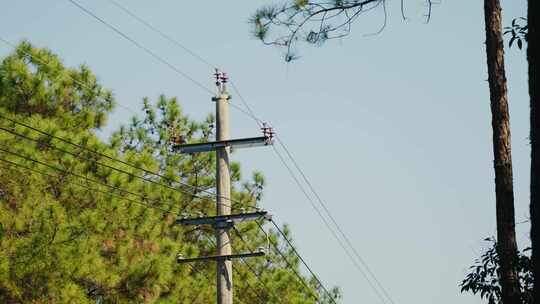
(75, 230)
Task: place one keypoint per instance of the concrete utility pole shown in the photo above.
(224, 221)
(223, 180)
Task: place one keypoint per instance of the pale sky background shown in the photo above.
(393, 130)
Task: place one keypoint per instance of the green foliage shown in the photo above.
(104, 236)
(34, 81)
(301, 3)
(518, 32)
(483, 276)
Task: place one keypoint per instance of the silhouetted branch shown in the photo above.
(518, 31)
(314, 22)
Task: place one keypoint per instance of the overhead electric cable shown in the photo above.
(250, 112)
(2, 149)
(115, 159)
(11, 164)
(87, 87)
(295, 251)
(77, 155)
(140, 46)
(193, 269)
(94, 190)
(162, 34)
(182, 46)
(298, 276)
(249, 286)
(382, 296)
(327, 224)
(259, 280)
(338, 227)
(386, 294)
(97, 190)
(85, 186)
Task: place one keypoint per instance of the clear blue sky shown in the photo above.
(393, 130)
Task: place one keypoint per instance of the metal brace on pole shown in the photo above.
(224, 221)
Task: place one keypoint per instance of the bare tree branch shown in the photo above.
(314, 22)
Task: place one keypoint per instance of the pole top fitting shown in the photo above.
(224, 78)
(217, 75)
(221, 80)
(267, 130)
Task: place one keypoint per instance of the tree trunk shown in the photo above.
(534, 83)
(500, 121)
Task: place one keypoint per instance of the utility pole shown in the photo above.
(224, 221)
(223, 182)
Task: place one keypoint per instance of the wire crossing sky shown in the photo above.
(393, 130)
(377, 286)
(143, 200)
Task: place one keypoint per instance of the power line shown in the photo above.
(177, 43)
(327, 224)
(252, 115)
(298, 276)
(295, 251)
(107, 185)
(338, 227)
(83, 186)
(249, 111)
(2, 149)
(246, 262)
(193, 269)
(125, 163)
(157, 58)
(250, 287)
(142, 47)
(98, 163)
(235, 202)
(162, 34)
(182, 46)
(115, 188)
(94, 190)
(259, 122)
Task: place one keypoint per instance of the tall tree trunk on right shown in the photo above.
(534, 83)
(500, 121)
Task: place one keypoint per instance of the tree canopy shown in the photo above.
(34, 81)
(483, 276)
(84, 220)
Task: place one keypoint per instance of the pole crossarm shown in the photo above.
(221, 257)
(231, 218)
(233, 143)
(224, 221)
